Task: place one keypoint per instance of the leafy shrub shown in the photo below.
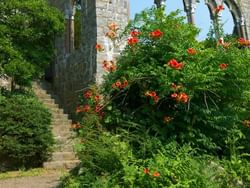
(172, 112)
(109, 160)
(133, 158)
(25, 132)
(27, 38)
(175, 86)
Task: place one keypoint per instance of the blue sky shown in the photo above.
(202, 14)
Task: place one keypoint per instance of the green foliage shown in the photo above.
(163, 122)
(27, 33)
(211, 85)
(25, 132)
(109, 160)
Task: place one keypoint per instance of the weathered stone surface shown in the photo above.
(73, 70)
(245, 7)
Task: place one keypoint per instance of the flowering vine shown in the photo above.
(173, 63)
(180, 97)
(119, 85)
(218, 9)
(99, 47)
(191, 51)
(244, 42)
(153, 95)
(132, 41)
(223, 66)
(109, 66)
(156, 34)
(93, 103)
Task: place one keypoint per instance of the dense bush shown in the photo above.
(172, 112)
(176, 87)
(25, 132)
(109, 160)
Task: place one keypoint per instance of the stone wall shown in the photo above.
(109, 11)
(245, 6)
(73, 70)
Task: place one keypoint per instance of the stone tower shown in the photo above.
(77, 63)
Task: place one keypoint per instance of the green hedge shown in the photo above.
(25, 134)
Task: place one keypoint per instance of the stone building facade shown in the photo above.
(74, 68)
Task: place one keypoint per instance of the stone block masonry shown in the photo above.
(74, 69)
(245, 7)
(109, 11)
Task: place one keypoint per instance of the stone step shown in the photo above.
(40, 90)
(49, 100)
(61, 132)
(57, 110)
(42, 94)
(58, 121)
(43, 97)
(62, 124)
(64, 148)
(63, 156)
(50, 105)
(46, 96)
(63, 142)
(58, 116)
(53, 165)
(41, 85)
(63, 117)
(60, 139)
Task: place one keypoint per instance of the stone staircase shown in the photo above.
(63, 156)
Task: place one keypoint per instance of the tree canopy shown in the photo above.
(27, 33)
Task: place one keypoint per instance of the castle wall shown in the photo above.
(73, 70)
(109, 11)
